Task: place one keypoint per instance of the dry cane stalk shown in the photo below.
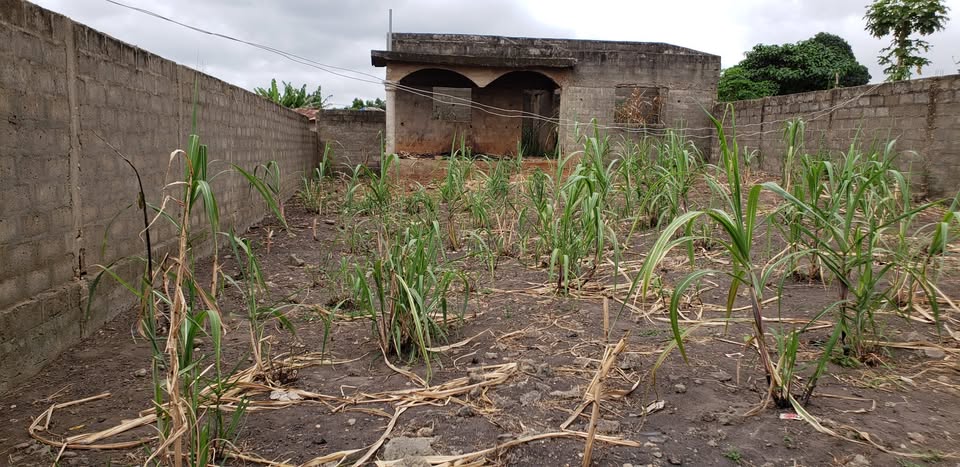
(177, 312)
(592, 432)
(257, 356)
(606, 320)
(595, 392)
(173, 343)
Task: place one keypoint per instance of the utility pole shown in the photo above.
(390, 30)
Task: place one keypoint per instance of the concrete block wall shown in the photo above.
(354, 136)
(68, 201)
(923, 115)
(688, 82)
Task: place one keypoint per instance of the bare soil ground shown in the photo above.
(545, 349)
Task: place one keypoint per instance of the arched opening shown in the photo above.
(437, 77)
(536, 97)
(433, 108)
(525, 80)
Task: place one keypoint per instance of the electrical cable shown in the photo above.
(488, 109)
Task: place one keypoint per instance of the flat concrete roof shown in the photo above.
(503, 51)
(380, 58)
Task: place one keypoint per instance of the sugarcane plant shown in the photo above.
(186, 400)
(678, 166)
(857, 227)
(572, 217)
(656, 189)
(738, 222)
(633, 170)
(188, 384)
(453, 190)
(378, 193)
(253, 291)
(404, 288)
(313, 193)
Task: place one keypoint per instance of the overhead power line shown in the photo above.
(356, 75)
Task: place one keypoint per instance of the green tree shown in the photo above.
(292, 97)
(736, 85)
(902, 19)
(821, 62)
(359, 103)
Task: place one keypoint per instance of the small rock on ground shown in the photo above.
(403, 447)
(572, 393)
(531, 397)
(582, 361)
(859, 461)
(545, 370)
(608, 426)
(721, 376)
(630, 361)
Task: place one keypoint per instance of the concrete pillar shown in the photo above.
(74, 180)
(390, 131)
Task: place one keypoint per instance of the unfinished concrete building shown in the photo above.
(497, 91)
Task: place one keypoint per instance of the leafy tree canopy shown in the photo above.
(359, 103)
(736, 85)
(821, 62)
(902, 19)
(292, 97)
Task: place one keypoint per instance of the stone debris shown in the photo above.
(284, 396)
(572, 393)
(859, 461)
(608, 427)
(531, 397)
(403, 447)
(916, 438)
(721, 376)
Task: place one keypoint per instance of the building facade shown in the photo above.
(501, 93)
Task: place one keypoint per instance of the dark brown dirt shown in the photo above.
(908, 404)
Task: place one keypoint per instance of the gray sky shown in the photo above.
(342, 32)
